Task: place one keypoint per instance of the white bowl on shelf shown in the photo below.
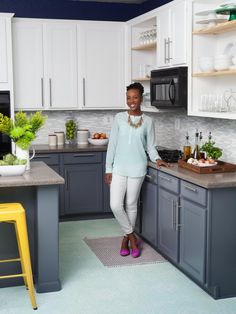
(12, 170)
(222, 62)
(94, 141)
(206, 64)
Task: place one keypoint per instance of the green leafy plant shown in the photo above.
(23, 129)
(211, 150)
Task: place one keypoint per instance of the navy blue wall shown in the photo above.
(67, 9)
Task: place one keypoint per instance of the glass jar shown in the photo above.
(70, 130)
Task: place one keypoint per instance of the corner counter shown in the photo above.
(208, 181)
(38, 191)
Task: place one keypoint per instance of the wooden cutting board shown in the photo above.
(220, 167)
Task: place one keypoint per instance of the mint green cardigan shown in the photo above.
(128, 146)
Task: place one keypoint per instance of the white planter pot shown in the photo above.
(24, 154)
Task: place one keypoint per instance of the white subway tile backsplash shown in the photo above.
(169, 132)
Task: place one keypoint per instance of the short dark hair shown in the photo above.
(137, 86)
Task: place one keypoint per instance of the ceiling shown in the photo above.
(114, 1)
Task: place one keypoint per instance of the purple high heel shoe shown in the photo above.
(124, 252)
(136, 252)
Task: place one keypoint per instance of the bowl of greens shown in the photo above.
(10, 165)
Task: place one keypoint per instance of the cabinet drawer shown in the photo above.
(194, 193)
(49, 159)
(168, 182)
(82, 158)
(151, 175)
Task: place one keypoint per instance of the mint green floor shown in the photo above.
(91, 288)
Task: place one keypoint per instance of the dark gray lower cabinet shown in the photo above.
(149, 207)
(168, 239)
(83, 173)
(193, 239)
(182, 217)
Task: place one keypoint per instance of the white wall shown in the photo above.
(170, 128)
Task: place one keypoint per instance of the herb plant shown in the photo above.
(211, 150)
(23, 129)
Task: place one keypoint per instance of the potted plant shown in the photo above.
(22, 130)
(212, 152)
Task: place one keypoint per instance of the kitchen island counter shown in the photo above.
(38, 191)
(208, 181)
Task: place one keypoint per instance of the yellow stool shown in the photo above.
(15, 213)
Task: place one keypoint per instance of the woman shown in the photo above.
(132, 135)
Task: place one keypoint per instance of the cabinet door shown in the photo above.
(172, 34)
(60, 80)
(28, 64)
(167, 224)
(83, 190)
(149, 212)
(178, 44)
(193, 239)
(3, 51)
(102, 65)
(163, 37)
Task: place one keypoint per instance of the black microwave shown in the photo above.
(5, 141)
(168, 88)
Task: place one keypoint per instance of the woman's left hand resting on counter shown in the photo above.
(160, 163)
(108, 178)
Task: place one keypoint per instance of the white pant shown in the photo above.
(121, 186)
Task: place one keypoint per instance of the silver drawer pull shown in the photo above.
(191, 189)
(165, 178)
(83, 155)
(148, 176)
(45, 156)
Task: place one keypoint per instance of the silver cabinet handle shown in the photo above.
(165, 178)
(84, 99)
(173, 215)
(191, 189)
(177, 216)
(43, 157)
(50, 91)
(148, 176)
(83, 155)
(165, 45)
(42, 92)
(169, 42)
(67, 180)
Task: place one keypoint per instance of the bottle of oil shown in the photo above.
(201, 153)
(186, 148)
(196, 151)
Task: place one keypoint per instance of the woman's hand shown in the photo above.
(108, 178)
(160, 163)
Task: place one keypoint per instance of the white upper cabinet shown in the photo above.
(45, 64)
(101, 68)
(6, 78)
(172, 34)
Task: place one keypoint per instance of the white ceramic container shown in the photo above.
(206, 64)
(14, 170)
(94, 141)
(222, 62)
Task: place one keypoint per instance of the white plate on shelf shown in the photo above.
(230, 49)
(207, 21)
(206, 12)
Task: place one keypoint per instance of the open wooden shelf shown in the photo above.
(216, 73)
(145, 47)
(218, 29)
